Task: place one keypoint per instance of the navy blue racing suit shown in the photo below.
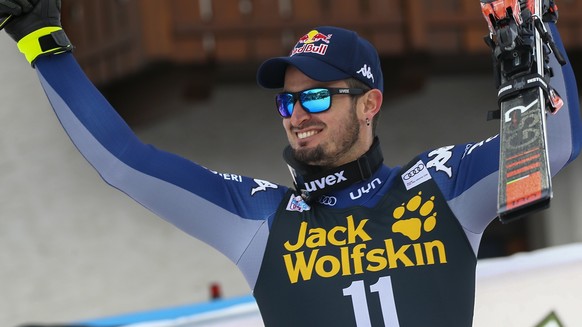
(404, 232)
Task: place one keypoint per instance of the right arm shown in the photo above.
(230, 215)
(195, 199)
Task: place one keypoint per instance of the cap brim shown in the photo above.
(271, 73)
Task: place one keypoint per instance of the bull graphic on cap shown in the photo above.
(314, 36)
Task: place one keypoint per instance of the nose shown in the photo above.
(299, 115)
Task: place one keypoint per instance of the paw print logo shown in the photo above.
(419, 216)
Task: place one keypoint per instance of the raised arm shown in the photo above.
(468, 173)
(228, 212)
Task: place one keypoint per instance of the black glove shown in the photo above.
(44, 13)
(16, 7)
(38, 31)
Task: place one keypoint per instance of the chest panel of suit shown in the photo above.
(405, 262)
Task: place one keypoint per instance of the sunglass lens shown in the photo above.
(285, 104)
(316, 100)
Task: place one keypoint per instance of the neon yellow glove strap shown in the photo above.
(31, 47)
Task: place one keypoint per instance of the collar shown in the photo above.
(313, 181)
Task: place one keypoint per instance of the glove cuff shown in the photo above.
(44, 41)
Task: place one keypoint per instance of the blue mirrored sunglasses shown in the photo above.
(312, 100)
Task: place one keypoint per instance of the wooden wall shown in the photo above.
(116, 37)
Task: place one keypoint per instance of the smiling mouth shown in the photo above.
(303, 135)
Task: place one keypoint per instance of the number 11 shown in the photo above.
(357, 291)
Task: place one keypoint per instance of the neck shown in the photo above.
(312, 181)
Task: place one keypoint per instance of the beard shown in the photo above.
(324, 157)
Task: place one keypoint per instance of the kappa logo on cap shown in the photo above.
(366, 71)
(312, 42)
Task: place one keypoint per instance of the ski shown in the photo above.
(521, 47)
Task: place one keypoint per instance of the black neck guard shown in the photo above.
(313, 181)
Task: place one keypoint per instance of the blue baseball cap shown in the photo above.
(326, 54)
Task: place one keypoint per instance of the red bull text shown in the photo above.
(307, 43)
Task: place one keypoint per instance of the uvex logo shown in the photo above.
(320, 184)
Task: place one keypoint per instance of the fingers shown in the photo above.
(27, 5)
(10, 8)
(16, 7)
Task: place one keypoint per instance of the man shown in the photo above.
(355, 242)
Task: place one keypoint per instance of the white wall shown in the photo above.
(70, 246)
(522, 289)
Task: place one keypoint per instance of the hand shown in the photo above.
(36, 26)
(16, 7)
(43, 13)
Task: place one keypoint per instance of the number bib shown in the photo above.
(405, 262)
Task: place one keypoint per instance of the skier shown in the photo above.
(354, 242)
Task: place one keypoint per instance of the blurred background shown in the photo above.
(182, 74)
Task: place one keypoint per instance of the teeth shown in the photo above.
(303, 135)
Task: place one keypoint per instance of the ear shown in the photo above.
(372, 102)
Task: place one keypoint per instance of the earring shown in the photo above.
(367, 122)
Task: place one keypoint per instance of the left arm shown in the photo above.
(471, 190)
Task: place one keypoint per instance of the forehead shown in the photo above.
(295, 80)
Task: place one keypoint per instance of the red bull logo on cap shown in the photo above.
(312, 42)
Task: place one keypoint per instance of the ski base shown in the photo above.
(525, 181)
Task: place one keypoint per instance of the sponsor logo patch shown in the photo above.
(416, 175)
(296, 203)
